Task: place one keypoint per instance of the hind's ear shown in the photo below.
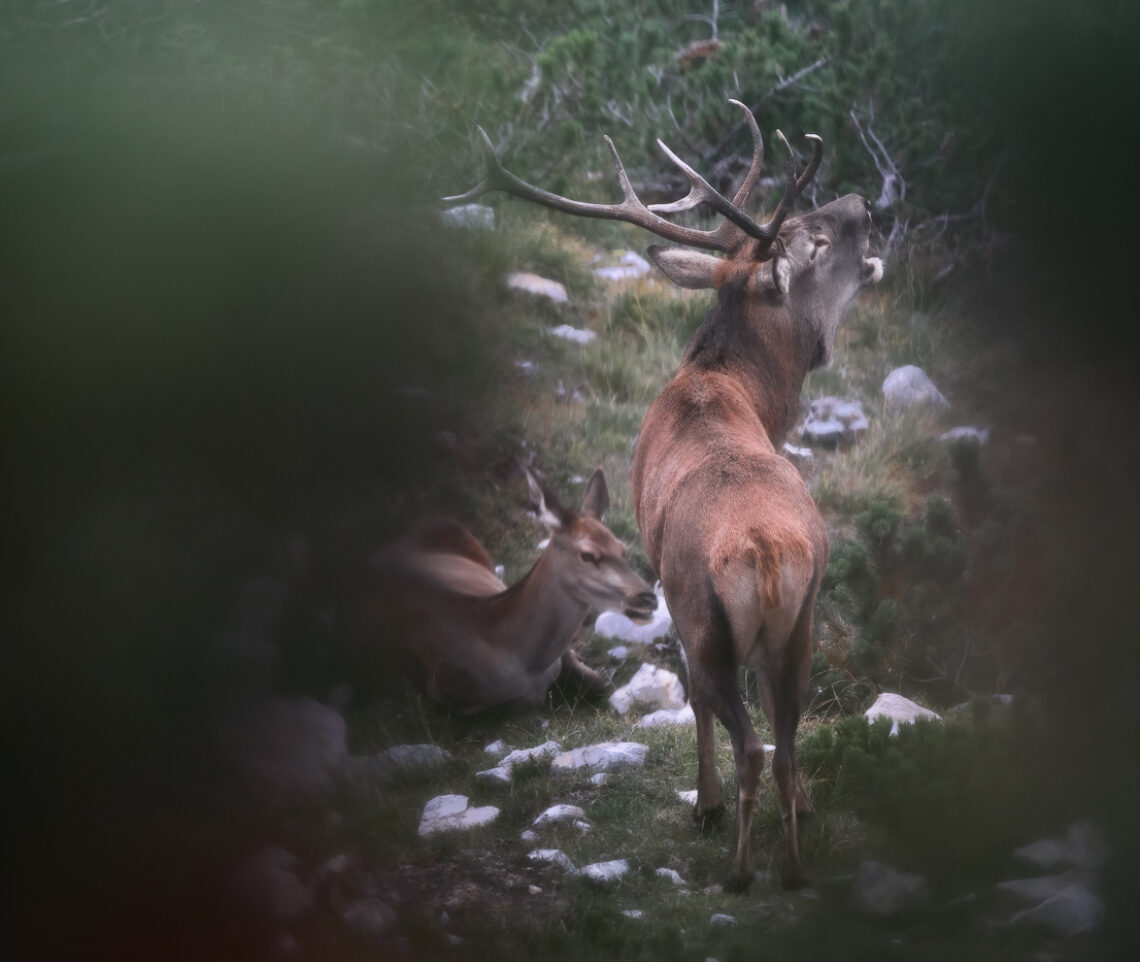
(542, 503)
(596, 500)
(686, 268)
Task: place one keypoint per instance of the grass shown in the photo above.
(950, 802)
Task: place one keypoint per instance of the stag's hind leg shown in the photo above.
(782, 686)
(714, 691)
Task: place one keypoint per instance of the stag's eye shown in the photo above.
(590, 557)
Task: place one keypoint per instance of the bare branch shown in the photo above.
(782, 85)
(894, 186)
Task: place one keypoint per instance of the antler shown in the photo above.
(632, 211)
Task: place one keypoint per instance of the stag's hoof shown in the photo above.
(708, 818)
(793, 878)
(738, 882)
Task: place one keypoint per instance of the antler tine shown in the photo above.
(631, 209)
(700, 192)
(795, 185)
(741, 197)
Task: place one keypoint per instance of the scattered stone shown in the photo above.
(908, 386)
(267, 885)
(832, 421)
(600, 779)
(721, 921)
(651, 688)
(530, 283)
(497, 748)
(1072, 911)
(900, 710)
(534, 889)
(633, 913)
(527, 367)
(291, 752)
(1037, 889)
(553, 856)
(560, 813)
(337, 882)
(529, 837)
(630, 267)
(370, 919)
(400, 760)
(446, 813)
(966, 435)
(619, 652)
(495, 776)
(882, 891)
(576, 334)
(469, 216)
(668, 716)
(613, 624)
(672, 875)
(689, 797)
(1084, 846)
(605, 757)
(521, 756)
(606, 871)
(804, 454)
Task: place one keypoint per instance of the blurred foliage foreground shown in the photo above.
(226, 298)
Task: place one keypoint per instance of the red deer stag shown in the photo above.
(474, 642)
(728, 524)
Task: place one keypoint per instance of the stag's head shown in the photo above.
(812, 265)
(591, 563)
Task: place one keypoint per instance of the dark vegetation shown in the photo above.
(225, 298)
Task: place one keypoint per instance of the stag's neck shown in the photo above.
(535, 618)
(767, 359)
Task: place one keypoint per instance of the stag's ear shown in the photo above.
(791, 256)
(686, 268)
(596, 500)
(542, 502)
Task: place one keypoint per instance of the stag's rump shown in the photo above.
(745, 517)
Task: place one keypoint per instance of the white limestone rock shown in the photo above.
(604, 757)
(604, 872)
(559, 813)
(499, 775)
(521, 756)
(900, 711)
(553, 856)
(651, 688)
(966, 435)
(497, 748)
(832, 421)
(447, 813)
(672, 875)
(576, 334)
(668, 716)
(908, 386)
(630, 266)
(477, 217)
(719, 920)
(529, 283)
